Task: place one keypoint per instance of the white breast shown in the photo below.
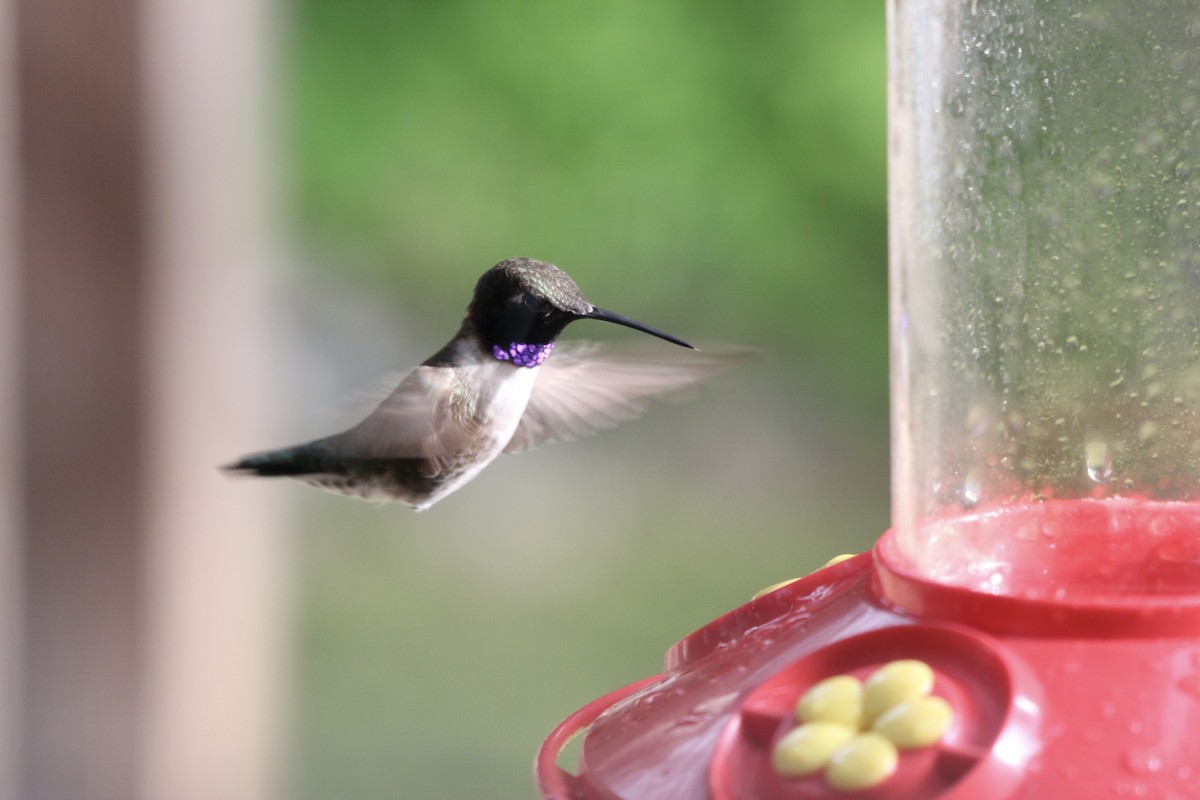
(500, 410)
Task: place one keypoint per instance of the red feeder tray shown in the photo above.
(1082, 679)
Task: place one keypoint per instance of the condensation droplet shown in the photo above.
(972, 488)
(1098, 459)
(1140, 761)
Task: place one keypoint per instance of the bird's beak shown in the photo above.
(611, 316)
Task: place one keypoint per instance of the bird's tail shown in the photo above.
(304, 459)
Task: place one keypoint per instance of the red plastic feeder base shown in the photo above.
(1064, 635)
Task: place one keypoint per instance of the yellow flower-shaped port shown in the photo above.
(852, 730)
(808, 748)
(836, 699)
(915, 723)
(893, 683)
(864, 761)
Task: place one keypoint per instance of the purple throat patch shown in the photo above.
(523, 355)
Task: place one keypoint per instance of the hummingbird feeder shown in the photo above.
(1030, 625)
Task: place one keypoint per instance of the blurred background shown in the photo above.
(303, 196)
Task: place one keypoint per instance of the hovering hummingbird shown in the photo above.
(494, 388)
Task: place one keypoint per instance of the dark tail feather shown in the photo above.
(302, 460)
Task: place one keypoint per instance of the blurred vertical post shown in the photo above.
(140, 615)
(10, 453)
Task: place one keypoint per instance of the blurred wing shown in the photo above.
(586, 387)
(428, 416)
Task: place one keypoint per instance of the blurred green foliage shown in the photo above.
(714, 169)
(724, 159)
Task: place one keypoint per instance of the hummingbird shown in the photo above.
(500, 385)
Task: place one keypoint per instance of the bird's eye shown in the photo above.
(524, 301)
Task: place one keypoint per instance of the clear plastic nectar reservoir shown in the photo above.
(1044, 196)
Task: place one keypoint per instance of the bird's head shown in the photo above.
(526, 302)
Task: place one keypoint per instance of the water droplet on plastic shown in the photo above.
(1162, 525)
(1173, 551)
(978, 420)
(1190, 684)
(1102, 184)
(693, 719)
(972, 488)
(1098, 459)
(1141, 761)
